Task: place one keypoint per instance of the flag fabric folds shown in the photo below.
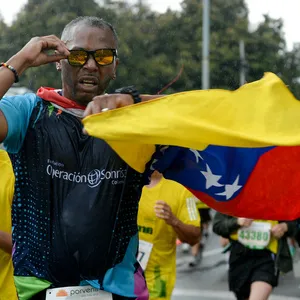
(237, 151)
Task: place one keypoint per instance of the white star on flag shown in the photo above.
(211, 179)
(197, 155)
(230, 189)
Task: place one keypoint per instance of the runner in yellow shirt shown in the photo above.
(166, 211)
(7, 287)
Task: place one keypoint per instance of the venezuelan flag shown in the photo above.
(237, 151)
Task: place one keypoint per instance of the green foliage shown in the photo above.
(265, 47)
(153, 47)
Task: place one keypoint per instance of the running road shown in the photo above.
(208, 281)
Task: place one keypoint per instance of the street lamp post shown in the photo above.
(243, 63)
(205, 45)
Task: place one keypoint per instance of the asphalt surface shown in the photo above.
(208, 281)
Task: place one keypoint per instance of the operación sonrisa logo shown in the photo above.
(93, 178)
(96, 176)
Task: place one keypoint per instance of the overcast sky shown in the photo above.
(288, 10)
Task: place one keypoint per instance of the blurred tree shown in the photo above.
(4, 42)
(140, 62)
(290, 70)
(264, 48)
(229, 25)
(153, 46)
(181, 37)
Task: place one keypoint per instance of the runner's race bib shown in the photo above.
(256, 236)
(77, 293)
(145, 249)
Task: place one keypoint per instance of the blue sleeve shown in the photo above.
(17, 111)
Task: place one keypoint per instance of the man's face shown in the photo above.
(81, 84)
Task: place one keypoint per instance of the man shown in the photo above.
(76, 200)
(166, 211)
(7, 287)
(259, 251)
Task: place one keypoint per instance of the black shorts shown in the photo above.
(247, 266)
(42, 296)
(204, 215)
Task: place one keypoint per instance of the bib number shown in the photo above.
(77, 293)
(145, 249)
(256, 236)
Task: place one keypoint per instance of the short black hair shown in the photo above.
(89, 21)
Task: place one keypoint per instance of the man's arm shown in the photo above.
(224, 225)
(5, 242)
(7, 78)
(3, 126)
(189, 234)
(33, 54)
(186, 233)
(287, 228)
(112, 101)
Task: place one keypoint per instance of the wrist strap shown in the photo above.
(130, 90)
(12, 69)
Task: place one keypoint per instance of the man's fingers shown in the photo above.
(89, 110)
(106, 102)
(158, 208)
(56, 57)
(63, 51)
(84, 131)
(161, 216)
(51, 42)
(43, 50)
(161, 207)
(162, 212)
(103, 103)
(160, 202)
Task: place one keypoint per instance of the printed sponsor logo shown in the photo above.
(77, 292)
(83, 291)
(62, 293)
(93, 178)
(144, 229)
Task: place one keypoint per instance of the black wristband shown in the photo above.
(130, 90)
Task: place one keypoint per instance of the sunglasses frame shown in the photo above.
(114, 51)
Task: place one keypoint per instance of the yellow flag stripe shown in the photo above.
(258, 114)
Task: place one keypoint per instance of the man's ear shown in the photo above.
(116, 62)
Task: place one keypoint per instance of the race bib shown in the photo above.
(256, 236)
(77, 293)
(145, 249)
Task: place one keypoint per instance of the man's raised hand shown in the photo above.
(39, 51)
